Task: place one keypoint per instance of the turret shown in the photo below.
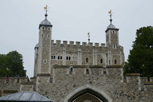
(42, 61)
(112, 34)
(112, 40)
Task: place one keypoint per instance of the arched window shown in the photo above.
(101, 61)
(67, 58)
(114, 46)
(71, 70)
(115, 62)
(54, 57)
(58, 57)
(86, 59)
(87, 71)
(61, 57)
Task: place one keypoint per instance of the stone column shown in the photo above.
(79, 60)
(64, 56)
(93, 57)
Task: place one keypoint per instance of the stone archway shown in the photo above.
(87, 94)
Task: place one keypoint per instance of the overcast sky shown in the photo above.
(71, 20)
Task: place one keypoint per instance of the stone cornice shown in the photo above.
(44, 74)
(132, 74)
(85, 66)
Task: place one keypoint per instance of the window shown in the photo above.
(59, 57)
(52, 57)
(87, 71)
(71, 70)
(86, 59)
(45, 61)
(109, 61)
(115, 62)
(48, 35)
(42, 35)
(69, 58)
(101, 61)
(114, 46)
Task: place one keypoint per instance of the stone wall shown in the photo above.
(109, 84)
(14, 85)
(93, 53)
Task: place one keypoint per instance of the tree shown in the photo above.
(140, 59)
(11, 64)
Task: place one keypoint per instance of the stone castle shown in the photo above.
(81, 73)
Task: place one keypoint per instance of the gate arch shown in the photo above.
(87, 92)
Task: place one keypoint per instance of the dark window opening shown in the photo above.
(87, 71)
(61, 57)
(86, 59)
(71, 70)
(58, 57)
(54, 57)
(114, 46)
(66, 58)
(101, 61)
(69, 58)
(115, 61)
(44, 61)
(104, 72)
(109, 61)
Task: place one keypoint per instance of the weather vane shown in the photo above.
(46, 11)
(110, 12)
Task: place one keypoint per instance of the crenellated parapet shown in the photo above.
(77, 44)
(15, 85)
(142, 83)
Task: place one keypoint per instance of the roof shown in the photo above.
(111, 26)
(25, 96)
(45, 22)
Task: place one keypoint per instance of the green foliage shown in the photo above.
(140, 59)
(11, 64)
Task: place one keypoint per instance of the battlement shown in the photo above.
(14, 80)
(77, 44)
